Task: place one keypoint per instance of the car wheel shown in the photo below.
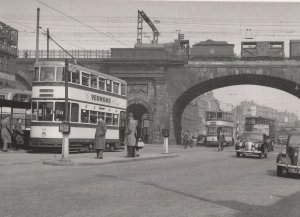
(238, 154)
(279, 171)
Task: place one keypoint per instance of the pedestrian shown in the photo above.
(138, 136)
(19, 141)
(130, 132)
(186, 138)
(99, 143)
(221, 139)
(5, 132)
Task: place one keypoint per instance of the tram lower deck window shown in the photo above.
(85, 116)
(108, 118)
(45, 111)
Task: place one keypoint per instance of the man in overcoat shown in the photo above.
(5, 132)
(130, 139)
(99, 143)
(18, 134)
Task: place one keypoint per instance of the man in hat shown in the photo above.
(99, 143)
(5, 132)
(130, 132)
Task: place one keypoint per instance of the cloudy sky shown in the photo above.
(99, 24)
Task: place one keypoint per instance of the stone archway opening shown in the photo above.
(141, 115)
(226, 81)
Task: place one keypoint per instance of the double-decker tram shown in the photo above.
(217, 121)
(91, 95)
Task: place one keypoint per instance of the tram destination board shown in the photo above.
(64, 127)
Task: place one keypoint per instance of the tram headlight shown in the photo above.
(43, 134)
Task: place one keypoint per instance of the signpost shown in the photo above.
(166, 134)
(64, 127)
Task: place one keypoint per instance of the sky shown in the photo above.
(99, 24)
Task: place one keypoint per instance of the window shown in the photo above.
(24, 98)
(101, 115)
(45, 111)
(59, 114)
(75, 77)
(34, 110)
(219, 115)
(116, 87)
(74, 112)
(123, 89)
(115, 120)
(85, 116)
(122, 119)
(93, 81)
(47, 73)
(101, 82)
(108, 118)
(36, 74)
(60, 74)
(93, 117)
(85, 79)
(16, 97)
(108, 85)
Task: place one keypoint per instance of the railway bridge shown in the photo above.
(160, 89)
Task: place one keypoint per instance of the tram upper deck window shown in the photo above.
(85, 79)
(45, 111)
(123, 89)
(101, 82)
(60, 74)
(219, 115)
(108, 85)
(47, 74)
(94, 81)
(2, 96)
(36, 74)
(75, 77)
(116, 87)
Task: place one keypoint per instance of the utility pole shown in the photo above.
(37, 35)
(48, 39)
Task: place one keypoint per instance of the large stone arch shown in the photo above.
(185, 85)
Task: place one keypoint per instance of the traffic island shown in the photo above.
(89, 160)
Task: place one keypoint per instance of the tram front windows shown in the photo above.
(47, 73)
(45, 111)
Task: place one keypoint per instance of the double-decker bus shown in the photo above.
(16, 103)
(91, 95)
(265, 126)
(217, 121)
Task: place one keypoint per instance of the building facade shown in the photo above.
(8, 56)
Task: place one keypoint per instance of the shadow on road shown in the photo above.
(285, 207)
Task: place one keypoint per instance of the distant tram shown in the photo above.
(91, 95)
(219, 121)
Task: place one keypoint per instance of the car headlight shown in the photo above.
(283, 151)
(256, 145)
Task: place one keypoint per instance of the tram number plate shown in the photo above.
(64, 128)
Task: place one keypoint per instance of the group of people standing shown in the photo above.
(130, 139)
(11, 139)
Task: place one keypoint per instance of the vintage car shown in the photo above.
(288, 159)
(251, 143)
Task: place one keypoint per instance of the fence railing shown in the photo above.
(60, 54)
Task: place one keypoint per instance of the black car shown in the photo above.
(251, 143)
(288, 160)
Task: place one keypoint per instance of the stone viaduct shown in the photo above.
(163, 88)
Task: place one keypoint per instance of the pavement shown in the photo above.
(149, 152)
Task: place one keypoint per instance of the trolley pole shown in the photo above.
(37, 35)
(48, 39)
(65, 126)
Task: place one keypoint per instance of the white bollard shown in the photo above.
(166, 145)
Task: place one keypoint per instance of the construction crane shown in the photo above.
(143, 17)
